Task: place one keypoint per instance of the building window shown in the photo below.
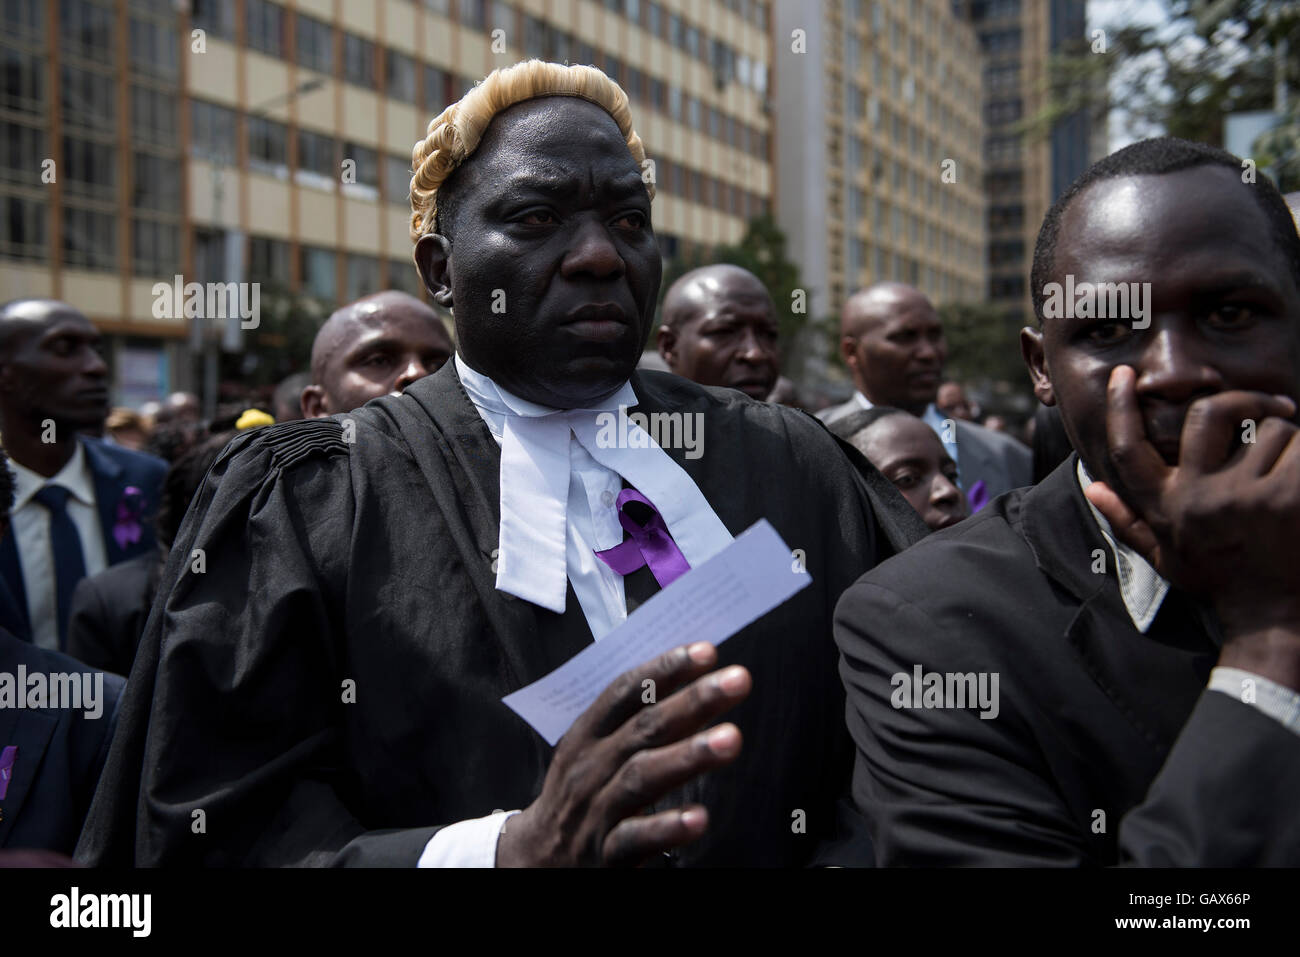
(89, 238)
(267, 148)
(437, 90)
(24, 19)
(399, 76)
(268, 261)
(473, 13)
(397, 180)
(315, 42)
(153, 48)
(22, 229)
(265, 24)
(402, 275)
(88, 98)
(209, 255)
(317, 266)
(156, 184)
(153, 116)
(358, 60)
(24, 81)
(441, 7)
(22, 150)
(366, 170)
(316, 154)
(86, 29)
(89, 169)
(212, 131)
(154, 248)
(362, 277)
(214, 17)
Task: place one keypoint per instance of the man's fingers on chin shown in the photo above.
(635, 839)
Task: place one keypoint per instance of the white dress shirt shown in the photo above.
(1144, 590)
(31, 530)
(591, 524)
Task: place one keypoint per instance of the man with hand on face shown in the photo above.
(348, 709)
(719, 328)
(80, 504)
(892, 342)
(1140, 606)
(375, 346)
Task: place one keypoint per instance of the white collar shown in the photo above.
(535, 474)
(1140, 585)
(75, 476)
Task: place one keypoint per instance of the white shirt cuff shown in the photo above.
(470, 843)
(1277, 701)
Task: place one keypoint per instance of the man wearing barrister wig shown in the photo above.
(440, 549)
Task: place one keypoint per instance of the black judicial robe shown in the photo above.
(328, 689)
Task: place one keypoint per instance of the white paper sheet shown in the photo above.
(712, 602)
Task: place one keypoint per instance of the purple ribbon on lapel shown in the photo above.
(130, 508)
(7, 768)
(650, 544)
(978, 496)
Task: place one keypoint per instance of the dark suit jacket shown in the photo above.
(109, 611)
(1105, 749)
(364, 554)
(114, 469)
(60, 755)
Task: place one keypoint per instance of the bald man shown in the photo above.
(375, 346)
(80, 504)
(719, 328)
(892, 342)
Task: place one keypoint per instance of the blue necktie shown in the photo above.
(65, 543)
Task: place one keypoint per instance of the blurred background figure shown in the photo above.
(995, 423)
(785, 393)
(128, 428)
(178, 407)
(909, 454)
(81, 504)
(109, 610)
(286, 402)
(893, 344)
(719, 328)
(52, 756)
(375, 346)
(953, 402)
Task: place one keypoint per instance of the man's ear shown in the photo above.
(666, 342)
(433, 259)
(1031, 347)
(848, 352)
(313, 402)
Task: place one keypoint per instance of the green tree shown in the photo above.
(1208, 59)
(983, 345)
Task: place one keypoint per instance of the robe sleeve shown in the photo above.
(233, 724)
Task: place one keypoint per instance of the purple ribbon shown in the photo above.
(978, 496)
(7, 768)
(650, 544)
(130, 508)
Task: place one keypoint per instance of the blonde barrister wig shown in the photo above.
(454, 134)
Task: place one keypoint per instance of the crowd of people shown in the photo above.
(307, 616)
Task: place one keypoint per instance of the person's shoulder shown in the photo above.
(831, 413)
(729, 407)
(287, 445)
(997, 441)
(14, 652)
(964, 561)
(131, 461)
(124, 576)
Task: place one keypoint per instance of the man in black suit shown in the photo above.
(51, 752)
(892, 342)
(1113, 677)
(81, 504)
(329, 691)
